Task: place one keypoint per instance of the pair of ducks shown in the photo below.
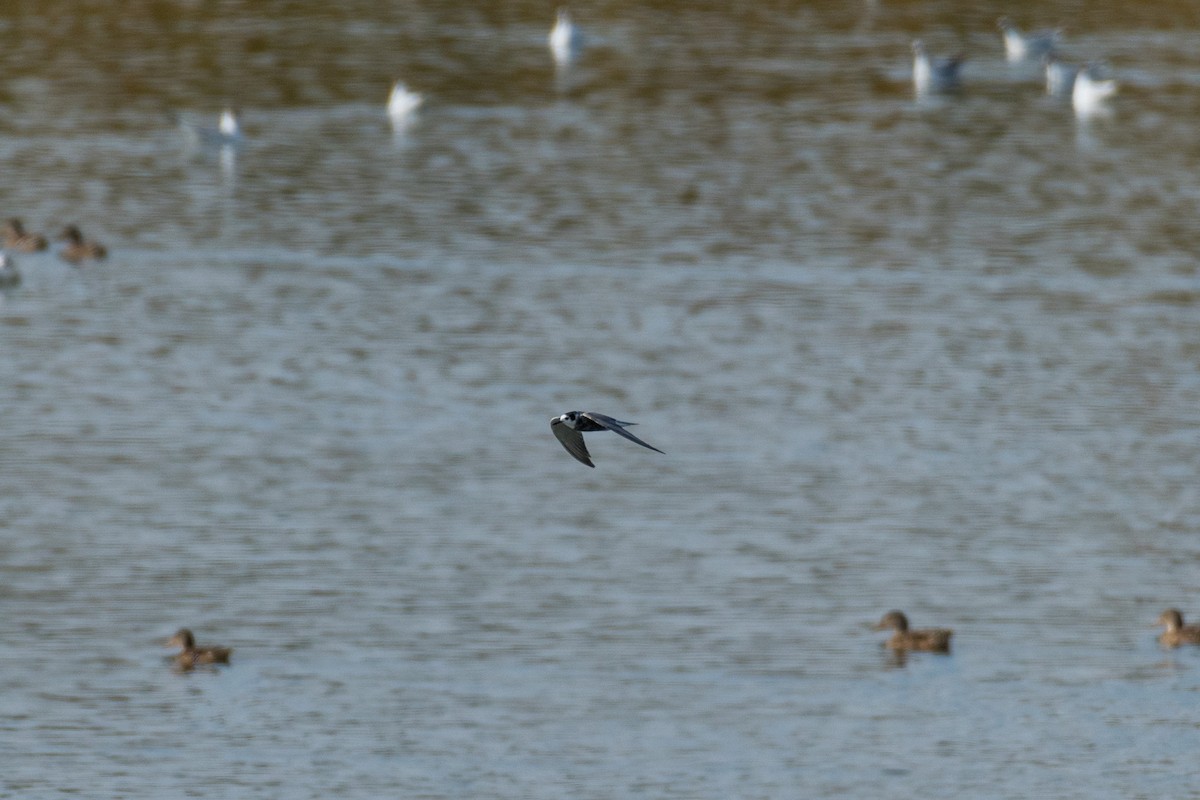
(76, 250)
(937, 640)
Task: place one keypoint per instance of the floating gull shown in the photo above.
(228, 132)
(401, 104)
(566, 40)
(935, 75)
(1091, 91)
(1026, 46)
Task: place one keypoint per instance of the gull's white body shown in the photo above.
(1090, 92)
(1020, 46)
(934, 75)
(228, 132)
(402, 103)
(565, 39)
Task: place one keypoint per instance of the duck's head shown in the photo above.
(894, 620)
(1172, 618)
(183, 639)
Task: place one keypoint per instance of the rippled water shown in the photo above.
(937, 356)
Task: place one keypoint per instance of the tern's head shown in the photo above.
(569, 419)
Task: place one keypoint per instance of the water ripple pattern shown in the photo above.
(938, 356)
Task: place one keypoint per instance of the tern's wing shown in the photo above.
(604, 420)
(572, 440)
(618, 427)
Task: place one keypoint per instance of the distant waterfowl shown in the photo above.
(934, 640)
(1060, 76)
(569, 428)
(17, 238)
(77, 250)
(191, 655)
(9, 276)
(935, 75)
(228, 132)
(566, 40)
(1020, 46)
(402, 103)
(1091, 91)
(1177, 633)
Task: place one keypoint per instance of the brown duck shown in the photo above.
(934, 640)
(1177, 633)
(190, 655)
(18, 239)
(77, 249)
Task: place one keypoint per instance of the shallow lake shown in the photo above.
(937, 355)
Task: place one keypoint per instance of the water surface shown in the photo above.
(935, 356)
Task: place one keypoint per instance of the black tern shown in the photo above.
(570, 427)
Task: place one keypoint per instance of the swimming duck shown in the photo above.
(402, 103)
(1177, 633)
(934, 640)
(934, 75)
(1020, 46)
(9, 277)
(17, 238)
(190, 655)
(565, 39)
(1091, 91)
(78, 249)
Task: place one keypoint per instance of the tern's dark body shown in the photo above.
(569, 428)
